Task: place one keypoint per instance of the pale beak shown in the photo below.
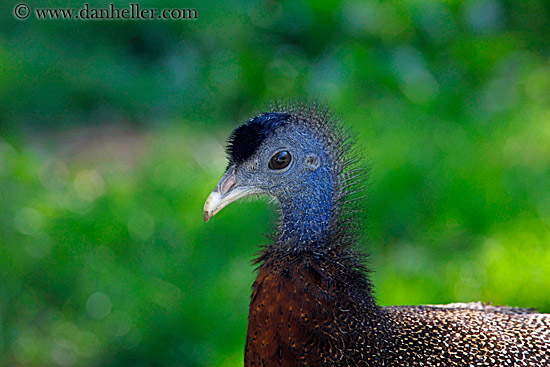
(226, 192)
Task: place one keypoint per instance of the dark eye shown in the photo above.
(280, 160)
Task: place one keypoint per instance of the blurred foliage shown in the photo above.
(112, 134)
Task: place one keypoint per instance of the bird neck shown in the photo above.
(307, 216)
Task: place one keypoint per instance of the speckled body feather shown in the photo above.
(300, 315)
(313, 304)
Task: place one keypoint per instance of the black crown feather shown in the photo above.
(245, 140)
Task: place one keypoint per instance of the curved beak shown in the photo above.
(226, 192)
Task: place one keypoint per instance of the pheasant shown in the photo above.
(312, 302)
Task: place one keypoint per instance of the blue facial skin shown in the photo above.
(307, 213)
(310, 224)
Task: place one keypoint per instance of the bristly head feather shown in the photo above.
(345, 161)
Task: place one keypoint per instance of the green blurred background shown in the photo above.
(112, 135)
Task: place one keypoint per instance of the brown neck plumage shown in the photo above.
(307, 306)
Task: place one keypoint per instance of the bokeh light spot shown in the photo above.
(98, 305)
(28, 221)
(88, 184)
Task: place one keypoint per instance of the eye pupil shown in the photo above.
(280, 160)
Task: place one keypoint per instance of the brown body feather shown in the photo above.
(303, 315)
